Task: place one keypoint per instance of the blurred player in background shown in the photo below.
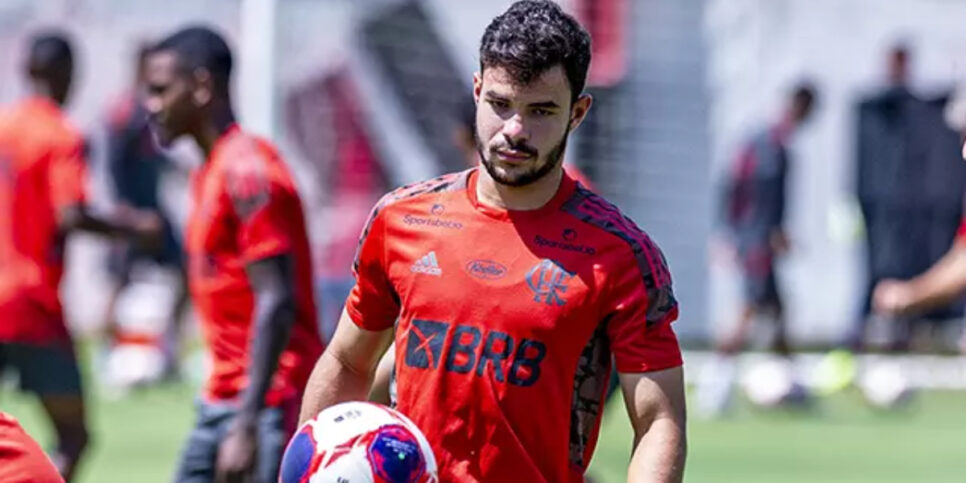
(42, 199)
(21, 459)
(135, 166)
(249, 266)
(513, 286)
(754, 213)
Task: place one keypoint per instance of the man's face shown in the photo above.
(168, 97)
(521, 130)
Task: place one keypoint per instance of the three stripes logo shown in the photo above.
(427, 265)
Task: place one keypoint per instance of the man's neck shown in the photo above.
(42, 91)
(220, 120)
(520, 198)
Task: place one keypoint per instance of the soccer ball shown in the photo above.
(771, 383)
(886, 386)
(358, 442)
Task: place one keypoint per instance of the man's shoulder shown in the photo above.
(421, 192)
(41, 123)
(246, 158)
(618, 238)
(241, 149)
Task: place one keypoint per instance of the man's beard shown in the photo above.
(549, 163)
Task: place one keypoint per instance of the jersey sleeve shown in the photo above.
(373, 303)
(21, 458)
(640, 309)
(263, 208)
(67, 175)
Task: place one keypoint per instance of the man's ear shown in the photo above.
(203, 89)
(477, 86)
(579, 110)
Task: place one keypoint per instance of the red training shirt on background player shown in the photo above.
(41, 172)
(246, 208)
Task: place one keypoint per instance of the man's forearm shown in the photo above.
(78, 217)
(332, 382)
(660, 454)
(274, 317)
(942, 283)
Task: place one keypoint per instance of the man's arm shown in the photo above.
(939, 285)
(142, 227)
(345, 370)
(381, 390)
(272, 282)
(273, 286)
(655, 404)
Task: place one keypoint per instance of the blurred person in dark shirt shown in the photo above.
(755, 216)
(754, 204)
(136, 165)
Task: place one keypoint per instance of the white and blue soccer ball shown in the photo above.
(358, 442)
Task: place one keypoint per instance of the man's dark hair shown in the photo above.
(804, 93)
(50, 55)
(200, 47)
(532, 37)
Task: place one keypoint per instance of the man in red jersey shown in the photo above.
(21, 459)
(464, 138)
(42, 184)
(249, 267)
(510, 287)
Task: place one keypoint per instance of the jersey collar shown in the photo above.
(564, 192)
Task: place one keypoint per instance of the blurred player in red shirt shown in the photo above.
(249, 266)
(21, 459)
(42, 183)
(510, 286)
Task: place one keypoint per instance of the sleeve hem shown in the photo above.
(668, 363)
(358, 319)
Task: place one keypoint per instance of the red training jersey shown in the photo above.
(41, 172)
(507, 321)
(21, 459)
(246, 208)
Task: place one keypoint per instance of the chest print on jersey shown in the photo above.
(427, 265)
(566, 241)
(486, 269)
(549, 281)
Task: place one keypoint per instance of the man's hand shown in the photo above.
(893, 297)
(236, 453)
(780, 244)
(148, 229)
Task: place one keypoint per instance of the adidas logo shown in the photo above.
(427, 265)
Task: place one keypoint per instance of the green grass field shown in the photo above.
(841, 440)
